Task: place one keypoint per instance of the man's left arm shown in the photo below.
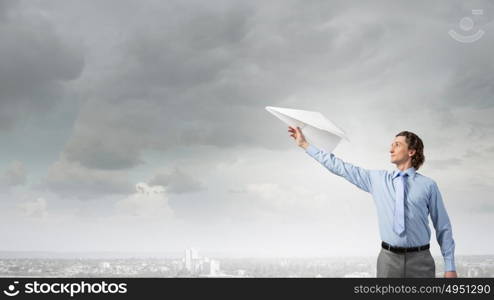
(444, 233)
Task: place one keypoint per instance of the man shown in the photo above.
(404, 200)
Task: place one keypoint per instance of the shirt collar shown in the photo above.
(410, 172)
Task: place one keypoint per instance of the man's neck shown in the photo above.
(404, 166)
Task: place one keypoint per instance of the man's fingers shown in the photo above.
(295, 131)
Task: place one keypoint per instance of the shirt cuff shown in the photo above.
(311, 150)
(449, 264)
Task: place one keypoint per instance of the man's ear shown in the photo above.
(411, 152)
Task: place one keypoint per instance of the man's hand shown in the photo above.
(450, 274)
(299, 137)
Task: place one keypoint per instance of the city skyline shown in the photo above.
(202, 266)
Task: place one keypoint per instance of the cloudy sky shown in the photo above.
(139, 126)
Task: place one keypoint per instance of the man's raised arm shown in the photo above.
(356, 175)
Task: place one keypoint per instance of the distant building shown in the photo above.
(200, 265)
(214, 267)
(191, 255)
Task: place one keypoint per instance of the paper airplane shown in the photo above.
(317, 129)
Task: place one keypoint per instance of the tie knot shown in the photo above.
(402, 174)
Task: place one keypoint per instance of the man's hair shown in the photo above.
(414, 143)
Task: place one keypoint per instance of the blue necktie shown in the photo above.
(399, 216)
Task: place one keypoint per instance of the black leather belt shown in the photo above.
(402, 249)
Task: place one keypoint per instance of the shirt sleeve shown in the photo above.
(444, 233)
(356, 175)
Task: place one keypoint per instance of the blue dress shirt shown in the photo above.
(422, 198)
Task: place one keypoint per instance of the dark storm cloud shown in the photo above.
(177, 182)
(34, 64)
(191, 74)
(121, 133)
(200, 76)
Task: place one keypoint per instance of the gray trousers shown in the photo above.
(412, 264)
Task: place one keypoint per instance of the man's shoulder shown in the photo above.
(427, 181)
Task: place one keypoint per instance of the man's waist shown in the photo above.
(396, 249)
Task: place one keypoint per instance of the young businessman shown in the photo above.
(404, 199)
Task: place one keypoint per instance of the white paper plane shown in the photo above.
(317, 129)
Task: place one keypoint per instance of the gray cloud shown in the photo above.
(203, 80)
(472, 83)
(115, 144)
(179, 86)
(71, 180)
(202, 75)
(16, 174)
(5, 7)
(177, 182)
(34, 64)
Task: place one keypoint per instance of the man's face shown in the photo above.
(399, 150)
